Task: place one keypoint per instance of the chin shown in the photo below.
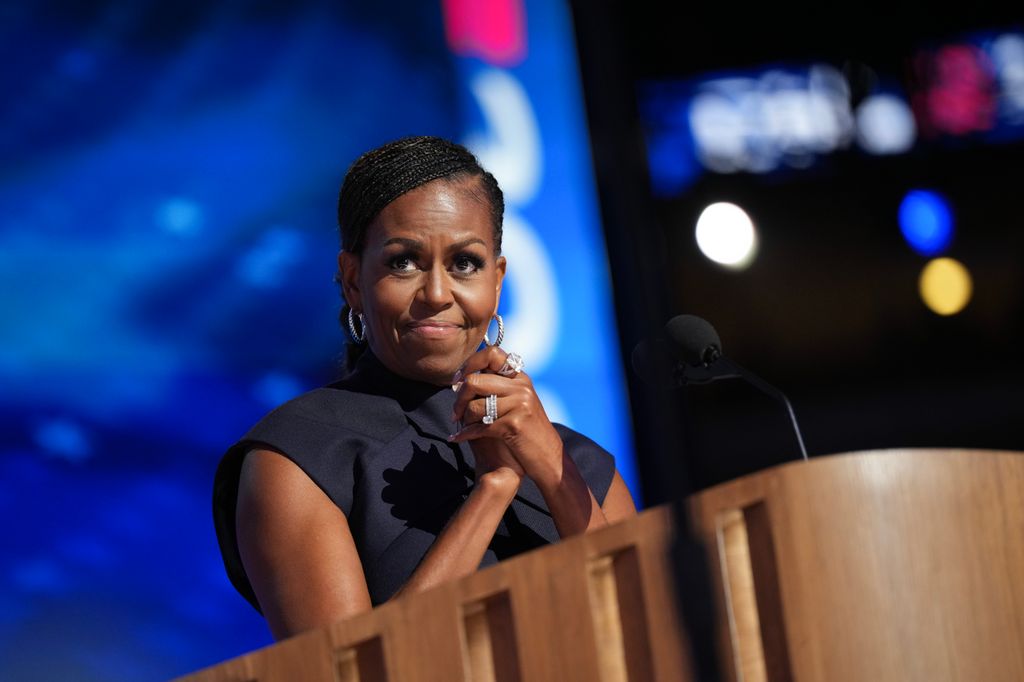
(432, 360)
(437, 368)
(435, 373)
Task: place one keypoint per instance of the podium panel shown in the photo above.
(598, 607)
(891, 565)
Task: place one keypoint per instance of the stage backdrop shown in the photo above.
(168, 178)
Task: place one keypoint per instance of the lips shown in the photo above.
(434, 329)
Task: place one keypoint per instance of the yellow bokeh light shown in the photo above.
(945, 286)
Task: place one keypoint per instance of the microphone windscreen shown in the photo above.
(695, 339)
(653, 361)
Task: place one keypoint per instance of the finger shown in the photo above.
(488, 359)
(473, 432)
(476, 409)
(477, 385)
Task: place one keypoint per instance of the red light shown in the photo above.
(493, 30)
(957, 93)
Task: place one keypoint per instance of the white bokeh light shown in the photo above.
(885, 125)
(779, 117)
(726, 235)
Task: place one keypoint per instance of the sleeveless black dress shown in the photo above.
(376, 444)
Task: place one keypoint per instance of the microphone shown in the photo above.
(695, 338)
(692, 354)
(654, 361)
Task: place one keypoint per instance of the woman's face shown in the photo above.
(427, 281)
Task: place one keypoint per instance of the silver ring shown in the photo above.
(491, 409)
(513, 365)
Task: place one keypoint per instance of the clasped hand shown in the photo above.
(521, 439)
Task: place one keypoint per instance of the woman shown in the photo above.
(433, 457)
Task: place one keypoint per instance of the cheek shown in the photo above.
(479, 303)
(386, 302)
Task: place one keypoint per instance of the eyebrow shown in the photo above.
(418, 245)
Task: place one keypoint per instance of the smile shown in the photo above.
(434, 329)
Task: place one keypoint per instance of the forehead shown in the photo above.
(440, 210)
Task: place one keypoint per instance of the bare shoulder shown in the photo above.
(296, 547)
(270, 479)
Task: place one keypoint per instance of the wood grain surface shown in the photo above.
(892, 565)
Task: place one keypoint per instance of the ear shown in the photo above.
(500, 270)
(348, 268)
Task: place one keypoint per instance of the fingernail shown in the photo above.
(451, 437)
(457, 379)
(457, 386)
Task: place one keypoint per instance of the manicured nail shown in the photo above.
(457, 386)
(458, 377)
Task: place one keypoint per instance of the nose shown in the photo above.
(437, 290)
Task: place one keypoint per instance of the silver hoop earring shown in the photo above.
(501, 332)
(358, 338)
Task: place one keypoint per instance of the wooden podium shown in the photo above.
(890, 565)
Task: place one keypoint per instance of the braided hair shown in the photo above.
(381, 175)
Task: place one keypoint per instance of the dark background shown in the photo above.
(829, 311)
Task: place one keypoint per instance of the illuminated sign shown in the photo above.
(524, 117)
(768, 119)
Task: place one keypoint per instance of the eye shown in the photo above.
(467, 264)
(402, 263)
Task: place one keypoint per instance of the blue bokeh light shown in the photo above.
(275, 388)
(179, 215)
(926, 222)
(63, 438)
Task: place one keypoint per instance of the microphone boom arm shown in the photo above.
(724, 368)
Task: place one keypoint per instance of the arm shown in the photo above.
(523, 435)
(296, 546)
(460, 547)
(574, 507)
(301, 559)
(618, 503)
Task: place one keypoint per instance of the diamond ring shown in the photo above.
(512, 366)
(491, 409)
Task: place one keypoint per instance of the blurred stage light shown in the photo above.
(885, 125)
(275, 388)
(267, 265)
(672, 163)
(78, 64)
(926, 222)
(756, 124)
(179, 215)
(39, 576)
(493, 31)
(1007, 54)
(64, 439)
(958, 92)
(726, 235)
(945, 286)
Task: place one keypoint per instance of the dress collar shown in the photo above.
(371, 376)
